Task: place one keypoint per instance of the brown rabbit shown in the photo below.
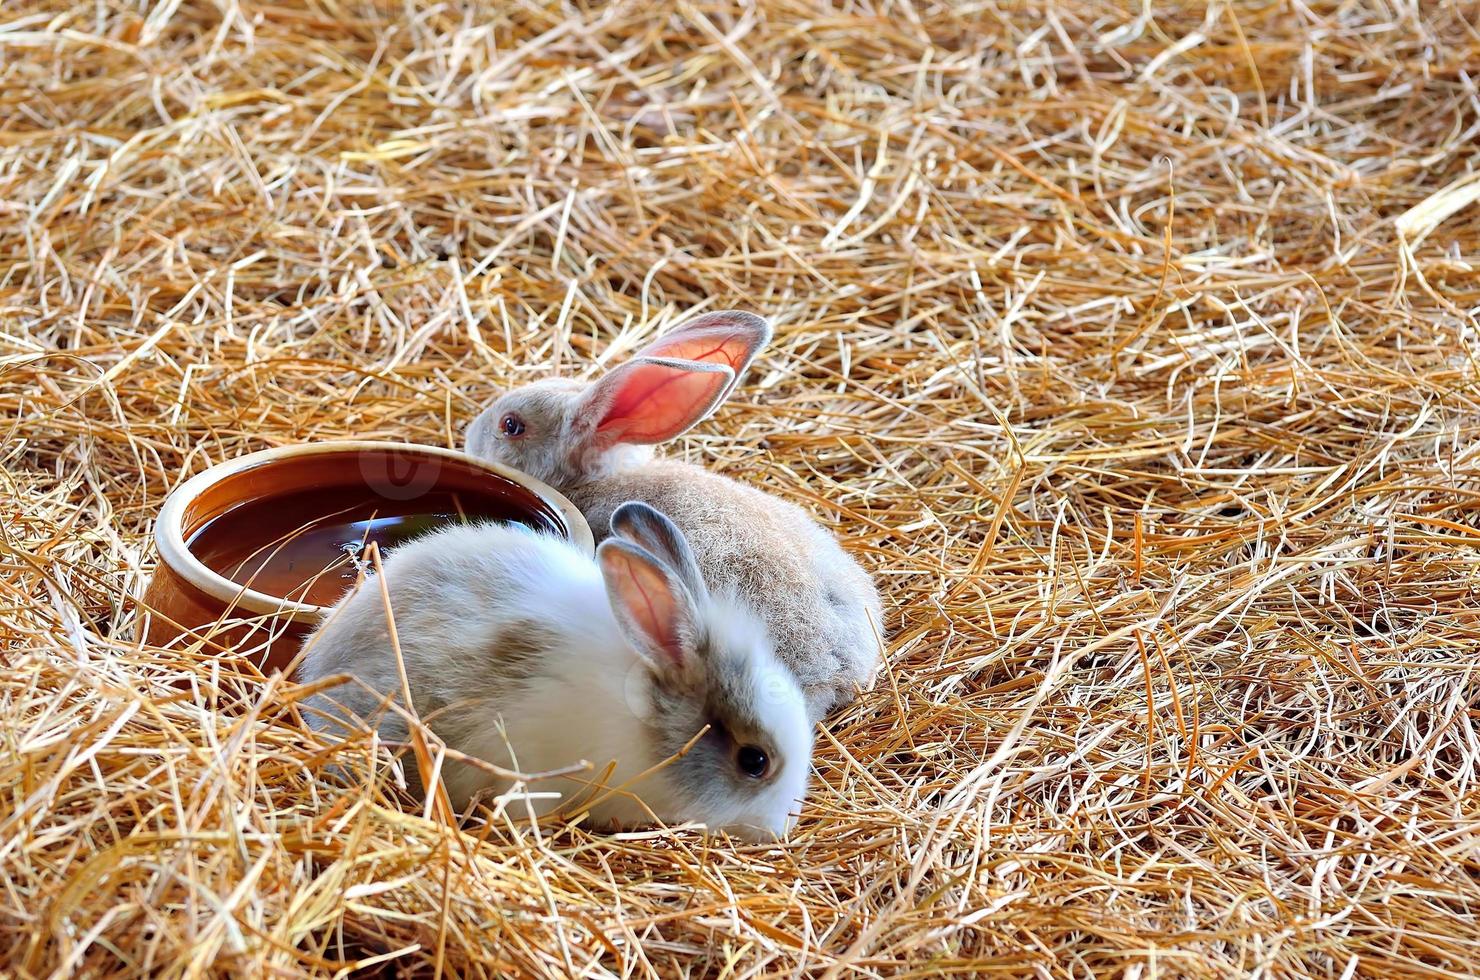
(593, 440)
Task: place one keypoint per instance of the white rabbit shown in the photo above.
(521, 651)
(593, 442)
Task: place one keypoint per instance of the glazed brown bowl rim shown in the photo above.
(169, 528)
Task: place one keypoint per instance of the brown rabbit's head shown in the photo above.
(566, 432)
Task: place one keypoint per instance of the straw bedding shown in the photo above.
(1131, 347)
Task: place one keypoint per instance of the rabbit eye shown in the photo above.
(511, 425)
(752, 761)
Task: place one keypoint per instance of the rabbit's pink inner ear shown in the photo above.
(727, 337)
(645, 602)
(647, 400)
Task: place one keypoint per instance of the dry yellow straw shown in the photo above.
(1131, 346)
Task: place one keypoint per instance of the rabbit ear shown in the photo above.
(650, 399)
(728, 337)
(649, 528)
(653, 608)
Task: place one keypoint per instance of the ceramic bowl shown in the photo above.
(189, 603)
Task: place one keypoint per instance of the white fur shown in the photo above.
(820, 606)
(458, 595)
(783, 710)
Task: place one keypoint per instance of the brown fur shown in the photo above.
(821, 608)
(770, 552)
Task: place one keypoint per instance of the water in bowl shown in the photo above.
(306, 545)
